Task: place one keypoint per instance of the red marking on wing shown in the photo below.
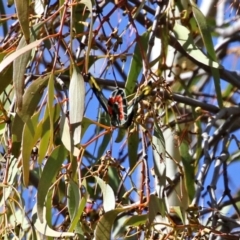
(118, 99)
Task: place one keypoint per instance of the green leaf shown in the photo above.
(108, 195)
(31, 99)
(22, 8)
(66, 137)
(184, 37)
(159, 148)
(75, 205)
(76, 103)
(43, 227)
(159, 157)
(19, 69)
(45, 136)
(104, 226)
(53, 165)
(133, 141)
(156, 206)
(48, 206)
(6, 75)
(73, 198)
(136, 220)
(207, 39)
(86, 122)
(178, 212)
(50, 107)
(44, 131)
(121, 135)
(188, 169)
(136, 63)
(29, 132)
(107, 137)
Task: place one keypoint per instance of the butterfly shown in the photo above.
(121, 114)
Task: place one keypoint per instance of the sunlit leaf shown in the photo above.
(18, 53)
(136, 220)
(76, 103)
(39, 7)
(184, 37)
(66, 137)
(48, 206)
(108, 195)
(159, 154)
(178, 212)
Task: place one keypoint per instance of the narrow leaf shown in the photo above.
(136, 63)
(133, 142)
(6, 75)
(45, 136)
(39, 7)
(22, 8)
(31, 99)
(43, 227)
(188, 169)
(18, 53)
(73, 198)
(67, 138)
(136, 220)
(29, 132)
(104, 226)
(108, 195)
(75, 205)
(159, 152)
(50, 106)
(156, 206)
(19, 69)
(76, 103)
(49, 173)
(178, 212)
(184, 37)
(208, 43)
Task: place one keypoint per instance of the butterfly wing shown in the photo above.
(117, 107)
(98, 93)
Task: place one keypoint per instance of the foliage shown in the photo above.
(67, 173)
